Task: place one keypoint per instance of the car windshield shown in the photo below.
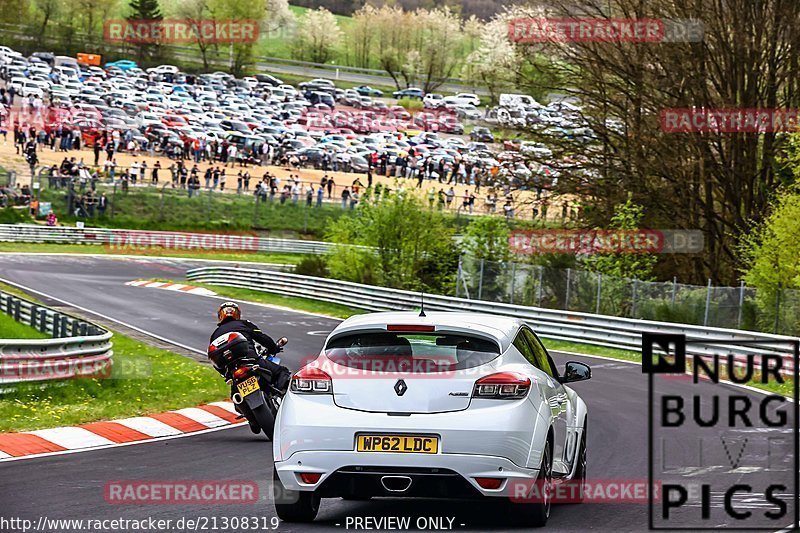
(413, 352)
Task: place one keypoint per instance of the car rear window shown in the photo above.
(415, 352)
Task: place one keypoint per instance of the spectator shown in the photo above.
(102, 204)
(309, 195)
(320, 195)
(345, 197)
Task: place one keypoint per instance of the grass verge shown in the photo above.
(292, 302)
(141, 208)
(244, 257)
(144, 380)
(11, 329)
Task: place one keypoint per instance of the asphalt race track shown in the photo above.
(71, 485)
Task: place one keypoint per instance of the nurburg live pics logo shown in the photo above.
(723, 456)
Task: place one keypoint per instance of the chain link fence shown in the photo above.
(775, 311)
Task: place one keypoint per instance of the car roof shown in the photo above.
(500, 328)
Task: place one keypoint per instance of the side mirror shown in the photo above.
(575, 371)
(282, 342)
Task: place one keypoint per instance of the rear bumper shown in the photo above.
(346, 473)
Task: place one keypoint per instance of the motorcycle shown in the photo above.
(252, 392)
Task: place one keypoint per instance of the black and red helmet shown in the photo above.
(228, 310)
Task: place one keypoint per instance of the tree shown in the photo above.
(318, 34)
(771, 258)
(619, 273)
(145, 10)
(422, 47)
(627, 217)
(195, 11)
(279, 16)
(407, 246)
(241, 53)
(715, 182)
(494, 63)
(487, 238)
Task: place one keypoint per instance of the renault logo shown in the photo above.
(400, 387)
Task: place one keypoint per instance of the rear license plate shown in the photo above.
(397, 444)
(248, 386)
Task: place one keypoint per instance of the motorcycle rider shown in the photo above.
(230, 320)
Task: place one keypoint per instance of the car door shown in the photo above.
(556, 397)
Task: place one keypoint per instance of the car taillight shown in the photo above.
(311, 380)
(310, 478)
(489, 483)
(502, 386)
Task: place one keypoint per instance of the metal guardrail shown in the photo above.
(78, 348)
(599, 330)
(122, 238)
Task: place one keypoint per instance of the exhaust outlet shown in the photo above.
(396, 484)
(237, 398)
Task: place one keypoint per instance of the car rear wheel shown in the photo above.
(294, 505)
(580, 473)
(540, 510)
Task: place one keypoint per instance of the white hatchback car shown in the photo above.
(455, 405)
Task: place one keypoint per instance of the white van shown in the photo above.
(518, 100)
(66, 61)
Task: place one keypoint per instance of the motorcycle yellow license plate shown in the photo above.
(397, 444)
(248, 386)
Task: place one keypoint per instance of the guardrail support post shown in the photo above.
(43, 320)
(74, 328)
(633, 300)
(480, 281)
(599, 288)
(708, 302)
(17, 306)
(674, 290)
(458, 275)
(539, 288)
(513, 280)
(63, 326)
(566, 296)
(34, 313)
(741, 304)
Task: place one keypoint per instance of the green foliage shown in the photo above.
(11, 329)
(141, 209)
(771, 252)
(411, 104)
(487, 238)
(312, 265)
(627, 217)
(145, 10)
(411, 246)
(11, 215)
(771, 255)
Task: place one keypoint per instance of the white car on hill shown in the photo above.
(456, 405)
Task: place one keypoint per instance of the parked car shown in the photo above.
(366, 90)
(481, 134)
(410, 92)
